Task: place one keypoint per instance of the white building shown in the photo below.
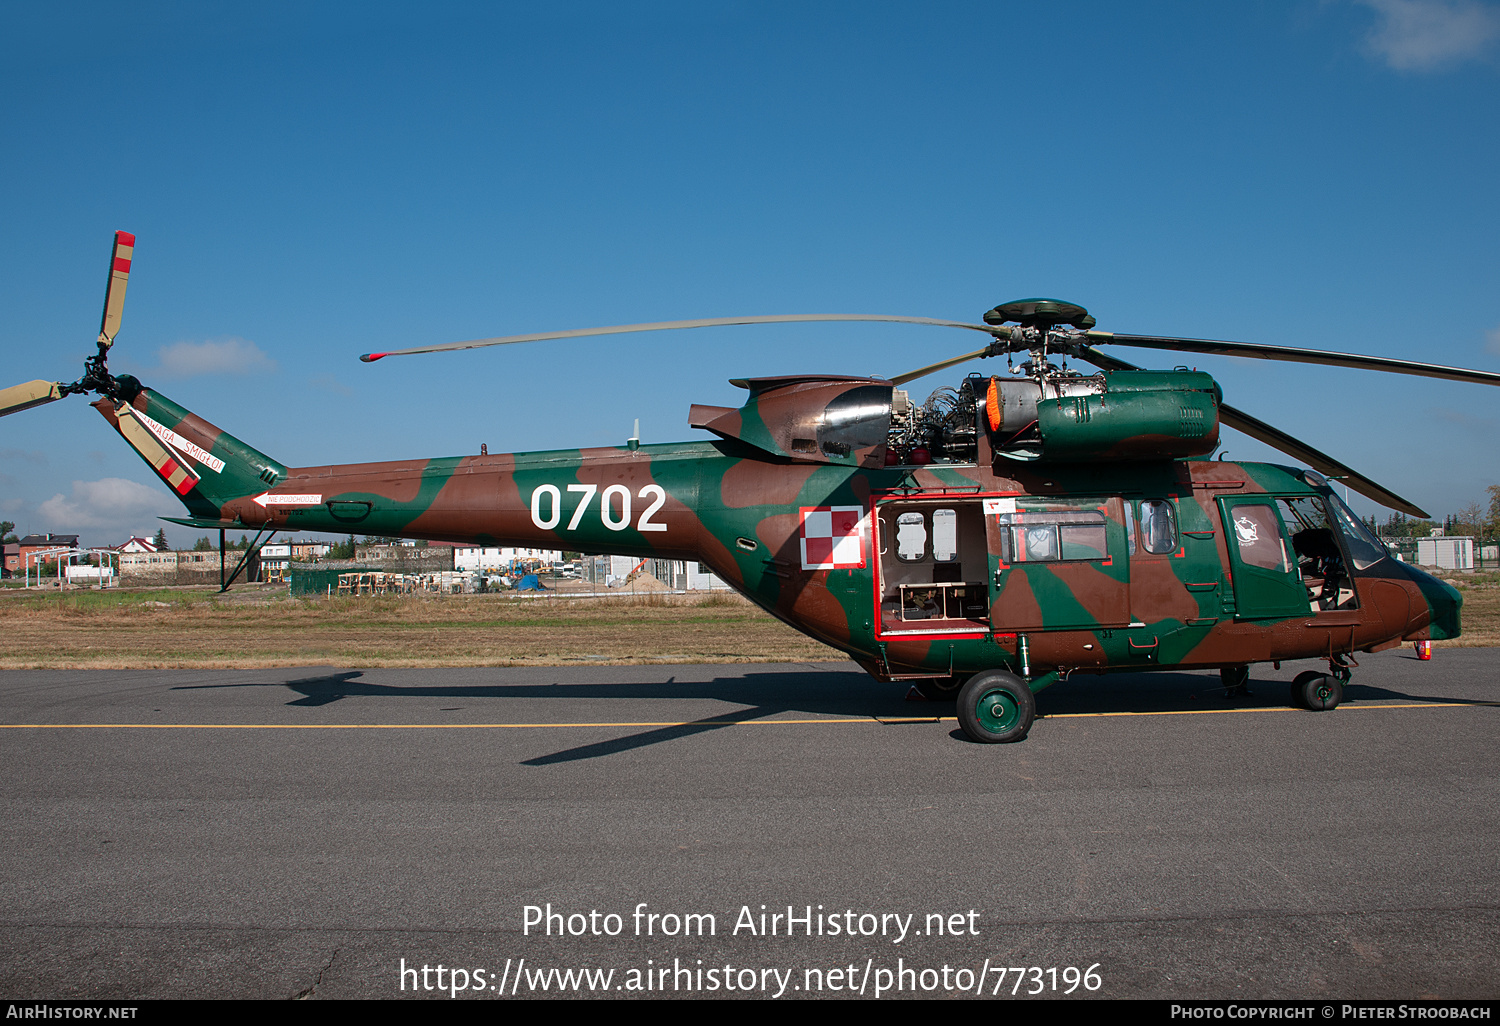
(676, 574)
(686, 575)
(87, 573)
(475, 558)
(1456, 553)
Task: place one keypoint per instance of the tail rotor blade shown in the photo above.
(23, 397)
(114, 291)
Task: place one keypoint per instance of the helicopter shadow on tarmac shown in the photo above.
(816, 692)
(829, 692)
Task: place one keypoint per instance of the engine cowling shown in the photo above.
(1112, 415)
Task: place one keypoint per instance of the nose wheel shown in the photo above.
(1317, 691)
(996, 707)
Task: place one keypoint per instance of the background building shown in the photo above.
(1456, 553)
(501, 558)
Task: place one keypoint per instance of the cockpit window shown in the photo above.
(1364, 548)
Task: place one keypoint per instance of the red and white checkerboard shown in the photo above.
(832, 538)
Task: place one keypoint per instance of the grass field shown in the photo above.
(1481, 613)
(260, 626)
(250, 627)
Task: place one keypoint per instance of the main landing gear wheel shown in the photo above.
(1316, 691)
(996, 707)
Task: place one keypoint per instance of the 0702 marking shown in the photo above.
(607, 514)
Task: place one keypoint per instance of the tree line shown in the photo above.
(1474, 520)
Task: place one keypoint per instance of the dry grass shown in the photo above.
(1481, 612)
(253, 627)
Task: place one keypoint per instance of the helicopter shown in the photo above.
(983, 544)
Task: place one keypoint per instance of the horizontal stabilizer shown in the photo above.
(204, 523)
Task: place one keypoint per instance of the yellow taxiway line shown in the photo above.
(687, 723)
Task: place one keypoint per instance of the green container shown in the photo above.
(322, 582)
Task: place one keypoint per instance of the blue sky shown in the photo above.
(311, 182)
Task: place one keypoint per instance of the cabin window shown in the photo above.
(1158, 526)
(1035, 543)
(911, 537)
(944, 535)
(1052, 536)
(1083, 541)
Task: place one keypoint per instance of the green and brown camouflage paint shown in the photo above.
(737, 503)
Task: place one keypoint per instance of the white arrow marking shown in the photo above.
(267, 499)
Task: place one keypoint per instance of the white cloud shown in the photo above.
(216, 356)
(1423, 35)
(113, 504)
(1494, 341)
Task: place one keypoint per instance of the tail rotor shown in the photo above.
(96, 375)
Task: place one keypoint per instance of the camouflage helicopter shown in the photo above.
(983, 544)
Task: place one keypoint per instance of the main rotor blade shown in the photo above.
(114, 288)
(1103, 360)
(933, 368)
(710, 322)
(23, 397)
(1287, 353)
(1294, 447)
(1319, 461)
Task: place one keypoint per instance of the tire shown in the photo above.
(996, 707)
(1322, 692)
(1299, 683)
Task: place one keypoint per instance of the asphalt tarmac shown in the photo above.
(309, 832)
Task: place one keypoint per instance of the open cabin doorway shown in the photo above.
(933, 566)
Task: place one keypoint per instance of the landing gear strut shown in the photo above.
(1236, 680)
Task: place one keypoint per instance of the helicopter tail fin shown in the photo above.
(204, 466)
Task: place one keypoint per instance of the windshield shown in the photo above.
(1364, 548)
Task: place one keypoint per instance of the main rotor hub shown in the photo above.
(1041, 313)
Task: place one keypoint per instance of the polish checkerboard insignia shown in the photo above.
(832, 538)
